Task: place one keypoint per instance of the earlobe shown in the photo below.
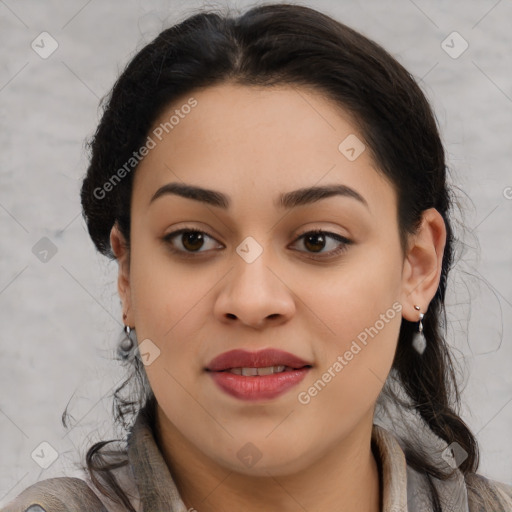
(121, 252)
(423, 265)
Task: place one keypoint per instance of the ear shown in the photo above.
(422, 266)
(122, 254)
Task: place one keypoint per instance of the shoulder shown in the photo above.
(484, 493)
(61, 494)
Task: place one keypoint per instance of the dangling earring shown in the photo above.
(130, 341)
(419, 342)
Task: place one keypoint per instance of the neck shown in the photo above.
(346, 478)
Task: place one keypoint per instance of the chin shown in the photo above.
(248, 460)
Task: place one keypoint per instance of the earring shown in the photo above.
(130, 341)
(419, 342)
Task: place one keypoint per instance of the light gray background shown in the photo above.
(61, 319)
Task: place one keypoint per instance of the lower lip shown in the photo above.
(258, 387)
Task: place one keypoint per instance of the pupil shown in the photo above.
(192, 240)
(316, 238)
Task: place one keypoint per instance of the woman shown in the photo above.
(273, 188)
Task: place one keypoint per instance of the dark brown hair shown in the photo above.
(284, 44)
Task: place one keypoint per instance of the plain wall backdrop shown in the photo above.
(59, 310)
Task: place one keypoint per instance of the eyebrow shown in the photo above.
(300, 197)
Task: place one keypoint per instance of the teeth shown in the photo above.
(269, 370)
(249, 372)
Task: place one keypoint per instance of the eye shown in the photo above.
(189, 241)
(317, 240)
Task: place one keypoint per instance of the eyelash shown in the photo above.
(345, 242)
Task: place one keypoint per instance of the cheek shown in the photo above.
(171, 308)
(163, 290)
(342, 301)
(353, 370)
(168, 309)
(358, 316)
(171, 311)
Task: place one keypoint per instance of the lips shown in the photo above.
(257, 376)
(262, 359)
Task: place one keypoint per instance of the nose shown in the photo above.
(255, 294)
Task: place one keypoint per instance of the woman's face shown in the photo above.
(253, 282)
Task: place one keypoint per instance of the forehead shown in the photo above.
(262, 140)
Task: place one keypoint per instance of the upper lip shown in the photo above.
(240, 358)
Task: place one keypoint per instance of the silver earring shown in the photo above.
(129, 341)
(419, 342)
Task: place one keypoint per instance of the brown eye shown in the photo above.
(192, 240)
(316, 241)
(188, 241)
